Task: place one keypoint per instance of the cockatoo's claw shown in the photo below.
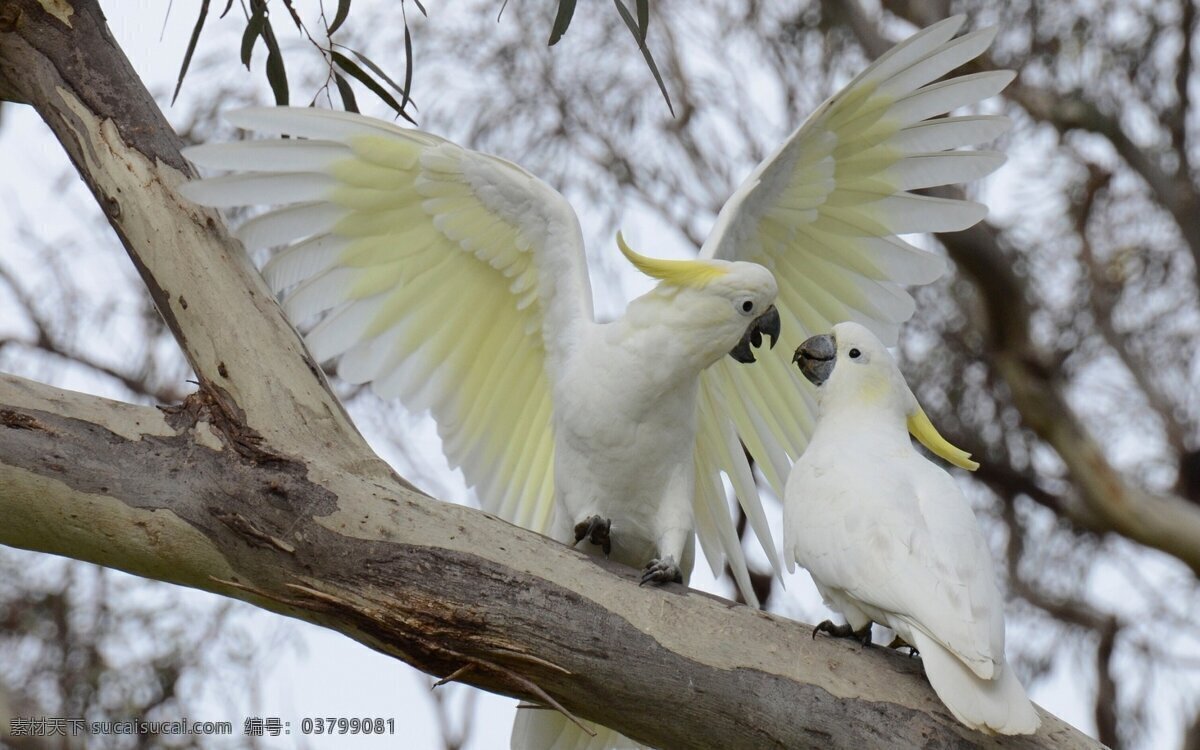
(595, 530)
(662, 571)
(844, 630)
(899, 643)
(837, 631)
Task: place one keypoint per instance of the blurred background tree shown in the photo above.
(1062, 348)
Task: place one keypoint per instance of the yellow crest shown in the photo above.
(693, 273)
(923, 430)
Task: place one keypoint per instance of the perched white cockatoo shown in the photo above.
(457, 282)
(888, 536)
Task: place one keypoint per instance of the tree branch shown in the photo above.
(10, 15)
(441, 586)
(1102, 301)
(1164, 522)
(1183, 78)
(1106, 692)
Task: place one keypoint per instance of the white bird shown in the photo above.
(457, 282)
(888, 536)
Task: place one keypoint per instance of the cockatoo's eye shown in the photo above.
(855, 354)
(746, 305)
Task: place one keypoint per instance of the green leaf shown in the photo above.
(641, 42)
(253, 31)
(339, 17)
(421, 8)
(276, 75)
(295, 16)
(354, 71)
(408, 67)
(566, 9)
(374, 68)
(191, 48)
(643, 18)
(380, 72)
(349, 103)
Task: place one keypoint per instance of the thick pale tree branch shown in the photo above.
(445, 587)
(258, 487)
(123, 486)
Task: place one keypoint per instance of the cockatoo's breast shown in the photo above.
(613, 409)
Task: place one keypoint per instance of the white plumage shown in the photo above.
(889, 538)
(456, 281)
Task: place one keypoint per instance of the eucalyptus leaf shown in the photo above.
(641, 41)
(566, 10)
(339, 17)
(349, 103)
(191, 48)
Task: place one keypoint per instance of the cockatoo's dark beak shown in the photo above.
(816, 357)
(767, 323)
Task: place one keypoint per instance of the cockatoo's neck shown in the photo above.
(872, 432)
(677, 339)
(872, 406)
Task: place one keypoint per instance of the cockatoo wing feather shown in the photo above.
(442, 276)
(717, 445)
(823, 212)
(544, 729)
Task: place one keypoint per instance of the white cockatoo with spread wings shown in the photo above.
(457, 282)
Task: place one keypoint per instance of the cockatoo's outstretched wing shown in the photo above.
(444, 276)
(823, 212)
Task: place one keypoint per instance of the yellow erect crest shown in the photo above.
(693, 273)
(923, 430)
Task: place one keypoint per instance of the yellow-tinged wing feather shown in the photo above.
(441, 276)
(823, 213)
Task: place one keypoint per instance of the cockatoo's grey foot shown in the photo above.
(595, 530)
(899, 643)
(844, 631)
(662, 571)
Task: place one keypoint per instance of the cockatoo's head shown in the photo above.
(853, 370)
(722, 307)
(853, 363)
